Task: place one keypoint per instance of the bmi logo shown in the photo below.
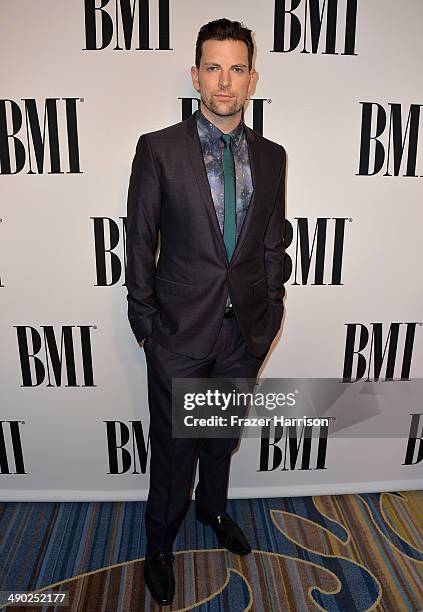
(376, 350)
(109, 236)
(42, 136)
(56, 358)
(289, 448)
(414, 452)
(11, 448)
(389, 139)
(324, 245)
(125, 24)
(126, 446)
(327, 27)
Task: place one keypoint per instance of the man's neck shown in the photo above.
(225, 124)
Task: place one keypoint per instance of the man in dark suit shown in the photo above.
(212, 304)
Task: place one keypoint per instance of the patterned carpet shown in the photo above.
(338, 553)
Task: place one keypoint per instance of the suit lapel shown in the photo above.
(195, 154)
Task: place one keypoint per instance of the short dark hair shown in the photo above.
(224, 29)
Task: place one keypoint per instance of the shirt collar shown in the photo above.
(213, 132)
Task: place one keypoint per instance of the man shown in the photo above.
(212, 305)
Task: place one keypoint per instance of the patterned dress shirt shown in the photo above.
(212, 148)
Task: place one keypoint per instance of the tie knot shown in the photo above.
(226, 140)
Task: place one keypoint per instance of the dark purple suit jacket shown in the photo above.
(180, 302)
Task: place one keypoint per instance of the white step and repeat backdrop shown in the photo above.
(340, 88)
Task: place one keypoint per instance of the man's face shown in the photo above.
(224, 79)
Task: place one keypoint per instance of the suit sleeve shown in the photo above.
(142, 226)
(274, 248)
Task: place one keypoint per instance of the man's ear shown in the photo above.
(253, 81)
(194, 77)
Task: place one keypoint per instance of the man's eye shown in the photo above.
(210, 68)
(237, 69)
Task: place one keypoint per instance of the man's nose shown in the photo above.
(225, 79)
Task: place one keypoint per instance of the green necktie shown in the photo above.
(229, 222)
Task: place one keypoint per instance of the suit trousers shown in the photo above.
(173, 460)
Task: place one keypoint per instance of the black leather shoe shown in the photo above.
(159, 577)
(227, 531)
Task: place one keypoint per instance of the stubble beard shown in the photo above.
(230, 109)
